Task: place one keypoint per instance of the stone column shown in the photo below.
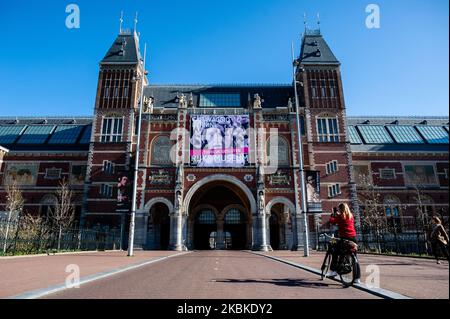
(220, 244)
(262, 216)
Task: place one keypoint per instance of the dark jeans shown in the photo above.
(438, 247)
(337, 251)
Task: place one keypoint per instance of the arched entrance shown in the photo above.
(205, 230)
(280, 233)
(235, 229)
(274, 225)
(159, 226)
(158, 223)
(219, 209)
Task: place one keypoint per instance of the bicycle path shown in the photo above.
(412, 277)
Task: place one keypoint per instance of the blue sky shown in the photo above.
(400, 69)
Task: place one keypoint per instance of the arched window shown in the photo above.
(234, 216)
(206, 217)
(283, 151)
(392, 210)
(161, 150)
(48, 204)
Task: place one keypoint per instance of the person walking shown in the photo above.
(438, 239)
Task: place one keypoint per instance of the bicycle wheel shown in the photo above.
(325, 265)
(350, 266)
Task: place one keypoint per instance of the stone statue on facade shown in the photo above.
(261, 204)
(182, 102)
(179, 180)
(178, 200)
(148, 104)
(290, 105)
(191, 100)
(257, 102)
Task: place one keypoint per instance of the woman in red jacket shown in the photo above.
(343, 218)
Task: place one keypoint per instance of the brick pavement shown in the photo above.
(413, 277)
(20, 275)
(214, 275)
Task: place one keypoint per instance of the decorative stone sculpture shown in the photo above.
(148, 104)
(191, 100)
(261, 204)
(257, 101)
(178, 200)
(182, 103)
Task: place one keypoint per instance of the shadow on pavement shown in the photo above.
(287, 282)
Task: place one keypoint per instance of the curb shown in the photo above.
(59, 254)
(379, 292)
(38, 293)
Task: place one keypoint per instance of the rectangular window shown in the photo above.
(106, 190)
(52, 173)
(323, 88)
(112, 130)
(108, 167)
(334, 190)
(220, 100)
(332, 167)
(420, 175)
(314, 89)
(361, 174)
(387, 173)
(332, 88)
(327, 130)
(106, 94)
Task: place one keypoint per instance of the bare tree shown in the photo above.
(64, 213)
(14, 207)
(373, 217)
(421, 199)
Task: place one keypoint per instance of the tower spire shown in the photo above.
(121, 22)
(318, 21)
(305, 21)
(135, 22)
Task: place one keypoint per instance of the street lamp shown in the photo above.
(296, 64)
(136, 162)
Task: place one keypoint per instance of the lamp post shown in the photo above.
(300, 151)
(136, 162)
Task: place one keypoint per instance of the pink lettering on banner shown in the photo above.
(220, 151)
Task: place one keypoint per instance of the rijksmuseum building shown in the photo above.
(219, 164)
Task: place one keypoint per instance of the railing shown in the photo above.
(19, 238)
(407, 236)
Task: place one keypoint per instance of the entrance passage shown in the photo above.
(274, 231)
(159, 216)
(219, 218)
(205, 229)
(236, 227)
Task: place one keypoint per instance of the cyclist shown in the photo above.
(343, 218)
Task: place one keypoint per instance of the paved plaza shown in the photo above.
(210, 275)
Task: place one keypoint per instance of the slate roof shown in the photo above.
(125, 49)
(315, 50)
(276, 95)
(420, 142)
(45, 133)
(13, 128)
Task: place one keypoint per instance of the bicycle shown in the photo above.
(347, 263)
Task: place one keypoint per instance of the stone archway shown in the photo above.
(225, 178)
(280, 212)
(221, 192)
(158, 223)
